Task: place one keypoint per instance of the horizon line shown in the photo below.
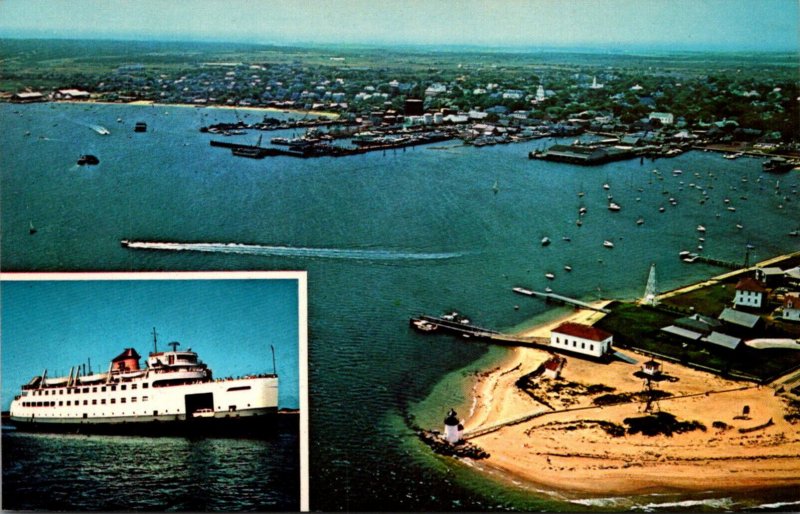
(617, 48)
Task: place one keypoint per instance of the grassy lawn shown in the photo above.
(708, 301)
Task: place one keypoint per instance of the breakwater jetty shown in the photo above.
(310, 149)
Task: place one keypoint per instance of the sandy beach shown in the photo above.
(567, 449)
(201, 106)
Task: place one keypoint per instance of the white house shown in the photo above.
(582, 339)
(666, 118)
(791, 307)
(749, 293)
(67, 94)
(553, 366)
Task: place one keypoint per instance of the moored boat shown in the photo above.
(88, 159)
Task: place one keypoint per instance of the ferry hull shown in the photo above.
(261, 423)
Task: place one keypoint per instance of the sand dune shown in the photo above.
(570, 451)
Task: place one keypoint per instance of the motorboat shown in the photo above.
(608, 244)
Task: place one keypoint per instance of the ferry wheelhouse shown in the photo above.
(173, 387)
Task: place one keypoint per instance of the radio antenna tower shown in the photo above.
(651, 290)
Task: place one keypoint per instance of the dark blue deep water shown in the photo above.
(383, 237)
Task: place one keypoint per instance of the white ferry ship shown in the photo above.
(174, 390)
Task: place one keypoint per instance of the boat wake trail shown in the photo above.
(293, 251)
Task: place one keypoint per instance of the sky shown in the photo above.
(727, 25)
(229, 323)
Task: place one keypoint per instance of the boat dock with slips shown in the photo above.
(552, 297)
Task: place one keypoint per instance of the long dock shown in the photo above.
(717, 262)
(468, 331)
(553, 297)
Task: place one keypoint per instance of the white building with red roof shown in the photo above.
(749, 293)
(582, 339)
(791, 307)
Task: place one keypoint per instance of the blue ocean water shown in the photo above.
(113, 473)
(383, 236)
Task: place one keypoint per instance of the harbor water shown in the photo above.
(383, 236)
(111, 473)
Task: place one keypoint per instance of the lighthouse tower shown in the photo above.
(651, 291)
(453, 429)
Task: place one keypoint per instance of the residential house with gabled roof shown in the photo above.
(791, 307)
(749, 293)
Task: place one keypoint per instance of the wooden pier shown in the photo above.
(468, 331)
(552, 297)
(717, 262)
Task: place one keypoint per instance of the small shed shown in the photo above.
(723, 340)
(742, 319)
(651, 368)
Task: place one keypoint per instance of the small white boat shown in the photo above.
(677, 172)
(732, 209)
(608, 244)
(549, 276)
(640, 221)
(794, 233)
(582, 211)
(545, 241)
(739, 226)
(566, 238)
(661, 209)
(684, 253)
(567, 268)
(548, 290)
(606, 187)
(579, 223)
(700, 247)
(701, 239)
(701, 228)
(424, 326)
(613, 207)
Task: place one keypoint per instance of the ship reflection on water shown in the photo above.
(138, 473)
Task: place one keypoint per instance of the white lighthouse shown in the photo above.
(453, 429)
